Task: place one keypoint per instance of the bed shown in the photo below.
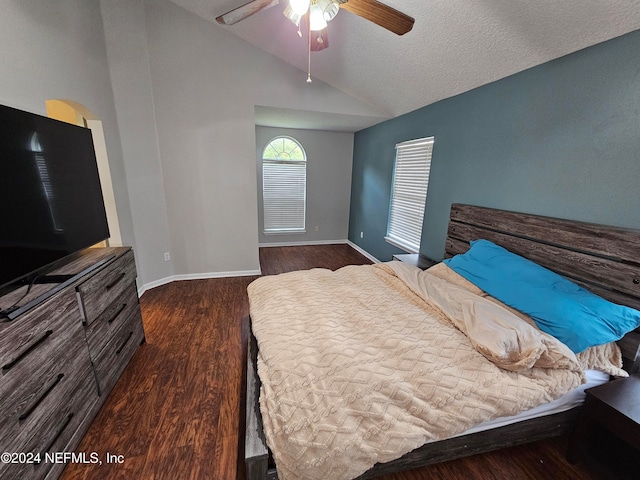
(600, 258)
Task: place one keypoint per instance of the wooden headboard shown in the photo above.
(602, 259)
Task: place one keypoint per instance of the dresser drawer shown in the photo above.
(39, 333)
(109, 322)
(28, 391)
(32, 392)
(34, 349)
(103, 288)
(49, 390)
(115, 356)
(58, 430)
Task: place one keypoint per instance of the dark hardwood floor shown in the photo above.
(274, 260)
(175, 412)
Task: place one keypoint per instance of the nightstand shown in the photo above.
(616, 407)
(415, 259)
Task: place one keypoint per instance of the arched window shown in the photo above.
(284, 186)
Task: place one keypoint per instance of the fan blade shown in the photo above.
(319, 40)
(380, 14)
(246, 10)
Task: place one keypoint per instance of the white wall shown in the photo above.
(206, 82)
(56, 50)
(127, 53)
(329, 160)
(176, 96)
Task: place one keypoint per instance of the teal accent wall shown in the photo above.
(561, 139)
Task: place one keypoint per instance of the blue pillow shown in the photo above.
(573, 315)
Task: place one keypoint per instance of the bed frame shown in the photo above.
(601, 258)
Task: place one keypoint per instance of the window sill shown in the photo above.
(400, 244)
(284, 232)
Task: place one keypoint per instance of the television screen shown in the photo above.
(50, 196)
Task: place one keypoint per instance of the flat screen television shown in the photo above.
(51, 203)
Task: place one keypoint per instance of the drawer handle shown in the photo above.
(62, 427)
(117, 312)
(39, 400)
(116, 281)
(27, 351)
(124, 343)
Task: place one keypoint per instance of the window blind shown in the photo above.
(284, 195)
(409, 193)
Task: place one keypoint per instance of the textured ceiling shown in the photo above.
(455, 45)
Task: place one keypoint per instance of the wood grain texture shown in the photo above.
(256, 453)
(630, 346)
(101, 290)
(117, 352)
(72, 265)
(33, 407)
(603, 272)
(175, 411)
(59, 430)
(274, 260)
(39, 333)
(108, 322)
(246, 10)
(47, 386)
(387, 17)
(603, 240)
(48, 392)
(483, 442)
(600, 258)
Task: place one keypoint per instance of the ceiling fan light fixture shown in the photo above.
(300, 6)
(330, 9)
(316, 17)
(292, 16)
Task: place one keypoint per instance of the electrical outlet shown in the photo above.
(361, 234)
(316, 228)
(167, 256)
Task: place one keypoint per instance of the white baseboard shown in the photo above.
(248, 273)
(303, 243)
(323, 242)
(154, 284)
(363, 252)
(197, 276)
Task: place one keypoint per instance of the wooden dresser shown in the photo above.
(60, 359)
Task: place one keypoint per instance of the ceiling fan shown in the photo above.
(319, 12)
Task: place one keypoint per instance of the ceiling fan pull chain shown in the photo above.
(309, 64)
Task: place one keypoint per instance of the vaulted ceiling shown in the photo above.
(455, 45)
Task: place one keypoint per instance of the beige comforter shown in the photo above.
(367, 363)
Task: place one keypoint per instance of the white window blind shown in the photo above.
(409, 193)
(284, 186)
